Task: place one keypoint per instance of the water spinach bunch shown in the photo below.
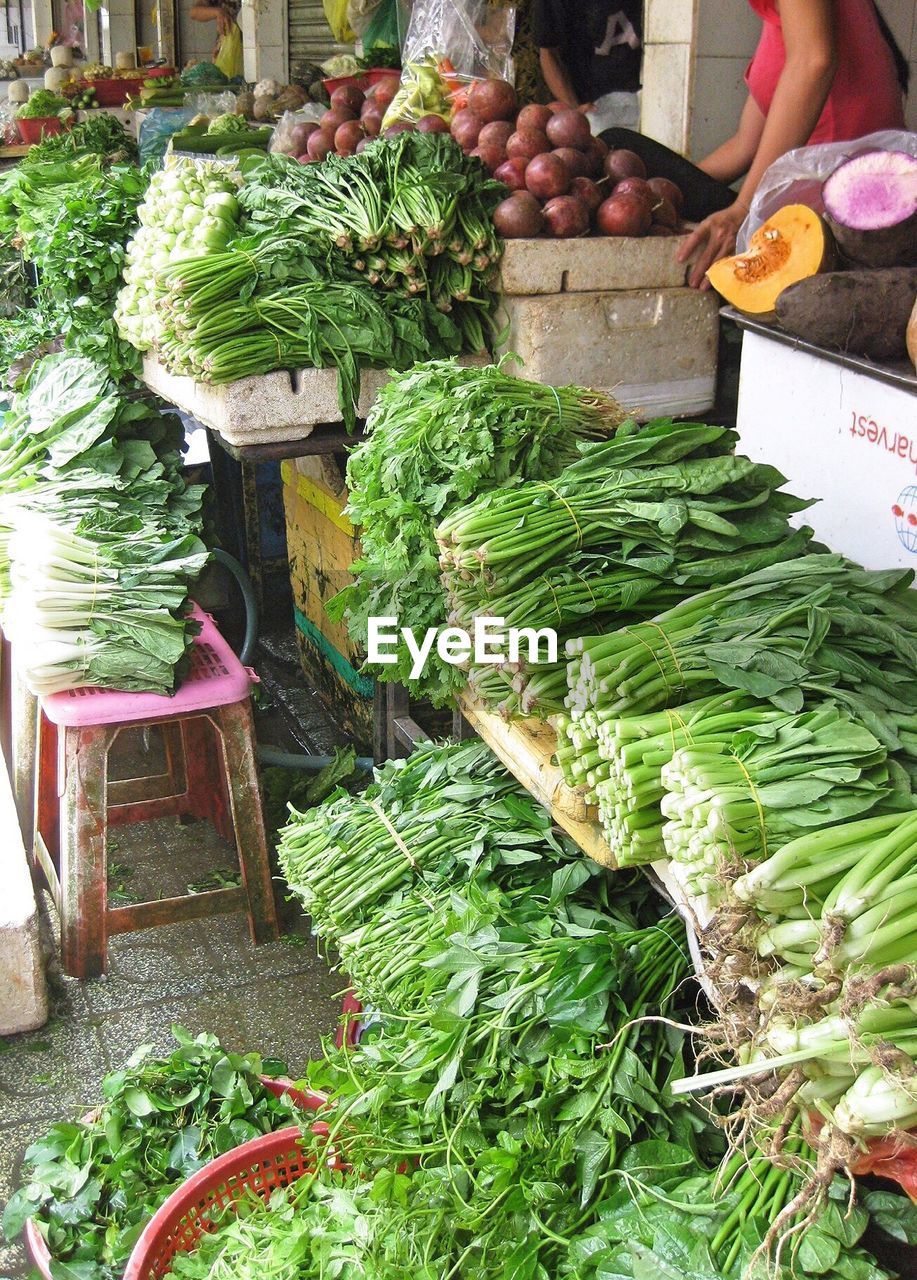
(436, 436)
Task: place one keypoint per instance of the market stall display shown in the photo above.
(374, 260)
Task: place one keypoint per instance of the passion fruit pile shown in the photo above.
(563, 181)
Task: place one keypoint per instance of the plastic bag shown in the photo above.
(386, 25)
(336, 17)
(280, 140)
(212, 104)
(157, 128)
(797, 177)
(229, 54)
(614, 111)
(9, 129)
(476, 37)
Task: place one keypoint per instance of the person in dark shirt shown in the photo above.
(588, 48)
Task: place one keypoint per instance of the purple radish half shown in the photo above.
(871, 206)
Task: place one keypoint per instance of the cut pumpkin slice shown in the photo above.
(791, 246)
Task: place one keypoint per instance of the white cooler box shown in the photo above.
(841, 429)
(610, 313)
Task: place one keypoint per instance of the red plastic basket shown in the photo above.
(32, 131)
(273, 1144)
(261, 1165)
(114, 92)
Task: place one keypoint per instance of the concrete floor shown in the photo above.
(279, 999)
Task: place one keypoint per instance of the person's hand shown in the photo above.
(712, 239)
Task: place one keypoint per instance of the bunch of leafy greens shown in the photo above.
(71, 218)
(373, 260)
(436, 436)
(91, 1185)
(98, 134)
(515, 1103)
(99, 534)
(43, 104)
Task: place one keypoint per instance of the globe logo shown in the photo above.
(905, 513)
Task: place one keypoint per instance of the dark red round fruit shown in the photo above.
(512, 173)
(664, 213)
(534, 116)
(569, 128)
(657, 229)
(400, 126)
(336, 116)
(595, 155)
(667, 190)
(349, 96)
(634, 187)
(492, 154)
(320, 144)
(299, 136)
(547, 177)
(587, 193)
(566, 217)
(363, 144)
(371, 121)
(432, 124)
(496, 134)
(518, 217)
(493, 100)
(624, 164)
(626, 215)
(347, 136)
(465, 128)
(305, 159)
(527, 143)
(573, 159)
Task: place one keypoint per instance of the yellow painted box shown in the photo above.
(321, 547)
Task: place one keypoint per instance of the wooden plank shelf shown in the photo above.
(526, 747)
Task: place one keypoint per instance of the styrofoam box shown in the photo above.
(841, 435)
(654, 349)
(591, 264)
(270, 407)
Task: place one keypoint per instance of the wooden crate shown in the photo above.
(322, 545)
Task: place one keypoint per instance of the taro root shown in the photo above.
(871, 206)
(863, 312)
(792, 245)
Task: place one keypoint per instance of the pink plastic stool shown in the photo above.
(209, 743)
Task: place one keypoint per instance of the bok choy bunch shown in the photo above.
(99, 536)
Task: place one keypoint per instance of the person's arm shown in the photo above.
(803, 87)
(211, 13)
(735, 156)
(557, 77)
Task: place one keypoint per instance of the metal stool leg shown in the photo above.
(237, 731)
(84, 823)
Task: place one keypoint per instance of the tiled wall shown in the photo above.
(696, 54)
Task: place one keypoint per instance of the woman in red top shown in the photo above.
(824, 71)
